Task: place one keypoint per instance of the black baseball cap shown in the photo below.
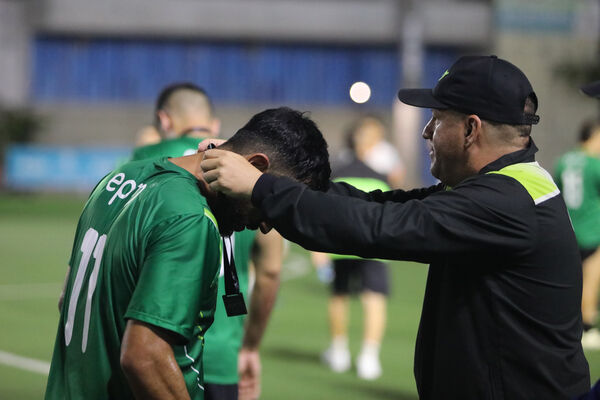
(592, 89)
(488, 86)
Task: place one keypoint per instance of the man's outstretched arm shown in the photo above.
(267, 260)
(149, 364)
(233, 175)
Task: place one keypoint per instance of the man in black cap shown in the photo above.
(501, 316)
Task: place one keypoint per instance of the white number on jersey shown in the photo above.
(572, 188)
(91, 243)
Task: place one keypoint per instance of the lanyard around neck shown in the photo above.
(233, 299)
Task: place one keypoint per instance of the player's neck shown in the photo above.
(191, 164)
(218, 203)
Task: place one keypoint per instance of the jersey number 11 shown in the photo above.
(91, 243)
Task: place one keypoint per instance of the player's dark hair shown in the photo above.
(170, 90)
(588, 128)
(292, 141)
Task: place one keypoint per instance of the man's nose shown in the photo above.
(427, 130)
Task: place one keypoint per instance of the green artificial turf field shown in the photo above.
(36, 234)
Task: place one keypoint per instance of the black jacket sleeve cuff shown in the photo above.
(262, 188)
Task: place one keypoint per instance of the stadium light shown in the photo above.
(360, 92)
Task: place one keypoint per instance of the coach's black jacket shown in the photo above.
(501, 316)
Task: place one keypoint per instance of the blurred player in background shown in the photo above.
(140, 292)
(370, 146)
(578, 176)
(352, 274)
(185, 115)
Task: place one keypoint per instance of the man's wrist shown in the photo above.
(249, 348)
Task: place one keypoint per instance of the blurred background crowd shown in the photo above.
(78, 78)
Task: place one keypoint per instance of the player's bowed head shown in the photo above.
(280, 141)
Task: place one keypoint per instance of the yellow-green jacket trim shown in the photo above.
(535, 179)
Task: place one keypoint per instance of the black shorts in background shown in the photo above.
(586, 252)
(213, 391)
(358, 275)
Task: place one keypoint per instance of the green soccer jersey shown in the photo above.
(223, 340)
(181, 146)
(578, 177)
(146, 248)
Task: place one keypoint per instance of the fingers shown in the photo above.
(209, 167)
(215, 153)
(229, 173)
(248, 389)
(211, 177)
(208, 163)
(210, 170)
(203, 145)
(213, 159)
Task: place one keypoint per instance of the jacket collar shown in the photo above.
(525, 155)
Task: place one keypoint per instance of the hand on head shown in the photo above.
(229, 173)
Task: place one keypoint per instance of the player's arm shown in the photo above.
(149, 364)
(176, 281)
(64, 288)
(267, 261)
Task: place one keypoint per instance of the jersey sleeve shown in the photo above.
(178, 277)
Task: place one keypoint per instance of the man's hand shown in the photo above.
(249, 370)
(203, 145)
(229, 173)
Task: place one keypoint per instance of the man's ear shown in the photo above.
(472, 129)
(164, 121)
(259, 160)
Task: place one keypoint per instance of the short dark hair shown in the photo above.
(293, 142)
(165, 95)
(587, 129)
(530, 108)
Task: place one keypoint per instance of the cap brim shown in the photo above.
(592, 89)
(420, 98)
